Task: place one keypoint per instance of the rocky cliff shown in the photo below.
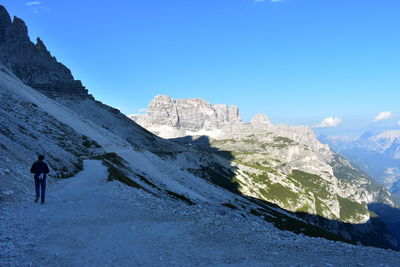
(185, 115)
(33, 63)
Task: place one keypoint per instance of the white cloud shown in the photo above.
(398, 122)
(383, 116)
(34, 3)
(329, 122)
(37, 7)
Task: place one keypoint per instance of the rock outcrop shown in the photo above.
(190, 115)
(33, 63)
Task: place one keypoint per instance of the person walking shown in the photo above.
(40, 169)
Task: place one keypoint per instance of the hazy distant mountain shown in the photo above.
(378, 154)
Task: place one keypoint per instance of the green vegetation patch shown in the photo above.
(261, 179)
(218, 175)
(112, 157)
(282, 139)
(310, 182)
(305, 208)
(372, 214)
(296, 226)
(90, 143)
(116, 169)
(115, 174)
(64, 173)
(280, 193)
(261, 165)
(349, 208)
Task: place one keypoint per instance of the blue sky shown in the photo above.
(298, 61)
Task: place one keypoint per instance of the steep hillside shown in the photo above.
(44, 115)
(77, 138)
(27, 130)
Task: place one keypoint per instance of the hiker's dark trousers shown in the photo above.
(40, 186)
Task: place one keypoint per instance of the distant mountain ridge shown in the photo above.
(385, 143)
(378, 154)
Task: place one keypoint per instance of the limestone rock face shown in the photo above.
(17, 31)
(5, 21)
(234, 115)
(162, 111)
(190, 115)
(33, 63)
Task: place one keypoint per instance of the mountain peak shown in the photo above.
(193, 114)
(162, 98)
(18, 31)
(41, 46)
(5, 21)
(33, 63)
(392, 134)
(260, 119)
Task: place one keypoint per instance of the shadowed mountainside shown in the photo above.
(220, 170)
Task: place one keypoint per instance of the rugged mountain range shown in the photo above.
(278, 164)
(284, 165)
(279, 173)
(378, 154)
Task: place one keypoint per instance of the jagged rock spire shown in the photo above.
(5, 21)
(17, 31)
(33, 63)
(41, 46)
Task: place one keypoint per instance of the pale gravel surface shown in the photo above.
(89, 222)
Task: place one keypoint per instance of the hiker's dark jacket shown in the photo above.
(39, 167)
